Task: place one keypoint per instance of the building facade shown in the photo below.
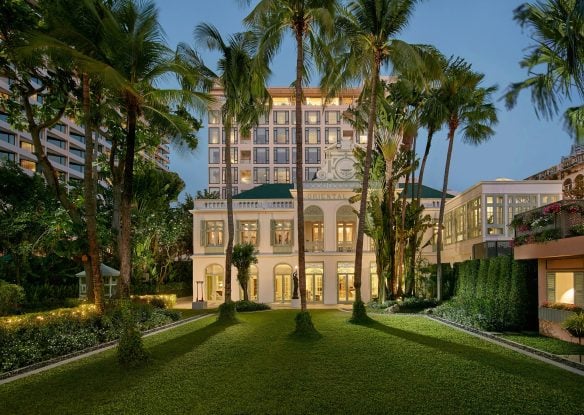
(570, 171)
(268, 155)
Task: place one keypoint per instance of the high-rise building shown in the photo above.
(268, 155)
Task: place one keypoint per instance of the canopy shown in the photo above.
(105, 272)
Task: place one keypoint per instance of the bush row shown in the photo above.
(35, 337)
(407, 305)
(492, 294)
(243, 306)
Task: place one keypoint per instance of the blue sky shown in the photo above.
(481, 31)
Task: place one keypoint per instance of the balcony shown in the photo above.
(345, 246)
(314, 246)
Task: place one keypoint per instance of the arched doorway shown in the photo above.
(252, 284)
(346, 229)
(214, 281)
(314, 229)
(282, 283)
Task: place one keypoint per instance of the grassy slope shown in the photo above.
(400, 364)
(547, 344)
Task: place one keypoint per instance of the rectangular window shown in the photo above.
(374, 280)
(245, 177)
(58, 159)
(3, 117)
(312, 136)
(494, 210)
(214, 155)
(214, 135)
(448, 229)
(214, 175)
(281, 155)
(261, 175)
(473, 212)
(77, 137)
(214, 117)
(245, 156)
(78, 167)
(293, 134)
(77, 152)
(56, 142)
(262, 119)
(281, 135)
(332, 117)
(547, 199)
(234, 155)
(310, 173)
(282, 233)
(233, 136)
(362, 138)
(312, 155)
(7, 156)
(520, 203)
(247, 232)
(261, 155)
(261, 136)
(7, 137)
(312, 117)
(332, 135)
(565, 287)
(281, 117)
(28, 164)
(25, 145)
(60, 127)
(460, 223)
(213, 234)
(234, 175)
(281, 175)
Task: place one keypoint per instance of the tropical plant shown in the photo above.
(575, 325)
(244, 255)
(469, 107)
(271, 19)
(557, 28)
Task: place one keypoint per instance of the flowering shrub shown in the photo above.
(564, 306)
(552, 209)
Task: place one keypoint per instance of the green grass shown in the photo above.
(396, 364)
(186, 313)
(547, 344)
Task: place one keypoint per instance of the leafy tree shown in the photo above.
(469, 106)
(244, 255)
(206, 194)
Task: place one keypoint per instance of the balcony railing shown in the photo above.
(563, 219)
(345, 246)
(314, 246)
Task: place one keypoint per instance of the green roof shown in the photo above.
(267, 191)
(427, 192)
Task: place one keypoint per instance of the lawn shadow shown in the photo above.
(495, 360)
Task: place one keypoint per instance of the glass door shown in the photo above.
(283, 283)
(346, 281)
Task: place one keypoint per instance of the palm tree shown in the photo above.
(557, 27)
(469, 107)
(369, 28)
(244, 255)
(242, 78)
(303, 18)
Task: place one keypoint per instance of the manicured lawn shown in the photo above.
(186, 313)
(547, 344)
(400, 364)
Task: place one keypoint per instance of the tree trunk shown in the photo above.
(299, 165)
(423, 166)
(229, 197)
(90, 202)
(365, 184)
(453, 125)
(390, 225)
(125, 240)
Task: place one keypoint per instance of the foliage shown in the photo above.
(564, 306)
(244, 255)
(49, 296)
(11, 298)
(407, 305)
(157, 300)
(130, 350)
(243, 306)
(227, 312)
(206, 194)
(575, 325)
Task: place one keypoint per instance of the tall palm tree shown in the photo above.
(369, 29)
(243, 79)
(557, 27)
(469, 107)
(303, 18)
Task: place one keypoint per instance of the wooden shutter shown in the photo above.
(579, 288)
(203, 234)
(551, 287)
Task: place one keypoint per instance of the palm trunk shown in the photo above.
(90, 202)
(402, 242)
(423, 166)
(299, 164)
(365, 185)
(390, 226)
(125, 240)
(453, 125)
(229, 196)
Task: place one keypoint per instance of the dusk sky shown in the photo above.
(481, 31)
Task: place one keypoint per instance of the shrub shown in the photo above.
(11, 298)
(416, 304)
(244, 306)
(564, 306)
(304, 326)
(575, 326)
(227, 312)
(49, 296)
(160, 300)
(130, 348)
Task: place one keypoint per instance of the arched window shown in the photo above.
(214, 281)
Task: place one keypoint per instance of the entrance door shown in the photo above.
(283, 283)
(214, 287)
(346, 287)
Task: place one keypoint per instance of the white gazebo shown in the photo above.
(110, 281)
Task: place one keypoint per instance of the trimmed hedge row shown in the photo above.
(492, 294)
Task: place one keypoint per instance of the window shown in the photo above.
(332, 117)
(312, 136)
(281, 155)
(495, 221)
(312, 155)
(234, 175)
(282, 232)
(310, 173)
(362, 138)
(262, 119)
(261, 175)
(56, 142)
(78, 167)
(57, 159)
(77, 137)
(281, 175)
(25, 145)
(234, 155)
(247, 232)
(474, 218)
(313, 101)
(245, 176)
(460, 223)
(245, 156)
(77, 152)
(281, 117)
(374, 280)
(293, 134)
(312, 117)
(281, 135)
(60, 127)
(261, 136)
(7, 137)
(3, 117)
(213, 135)
(214, 155)
(213, 233)
(345, 233)
(547, 199)
(28, 164)
(293, 176)
(7, 156)
(565, 287)
(233, 136)
(214, 175)
(261, 155)
(332, 135)
(214, 117)
(520, 203)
